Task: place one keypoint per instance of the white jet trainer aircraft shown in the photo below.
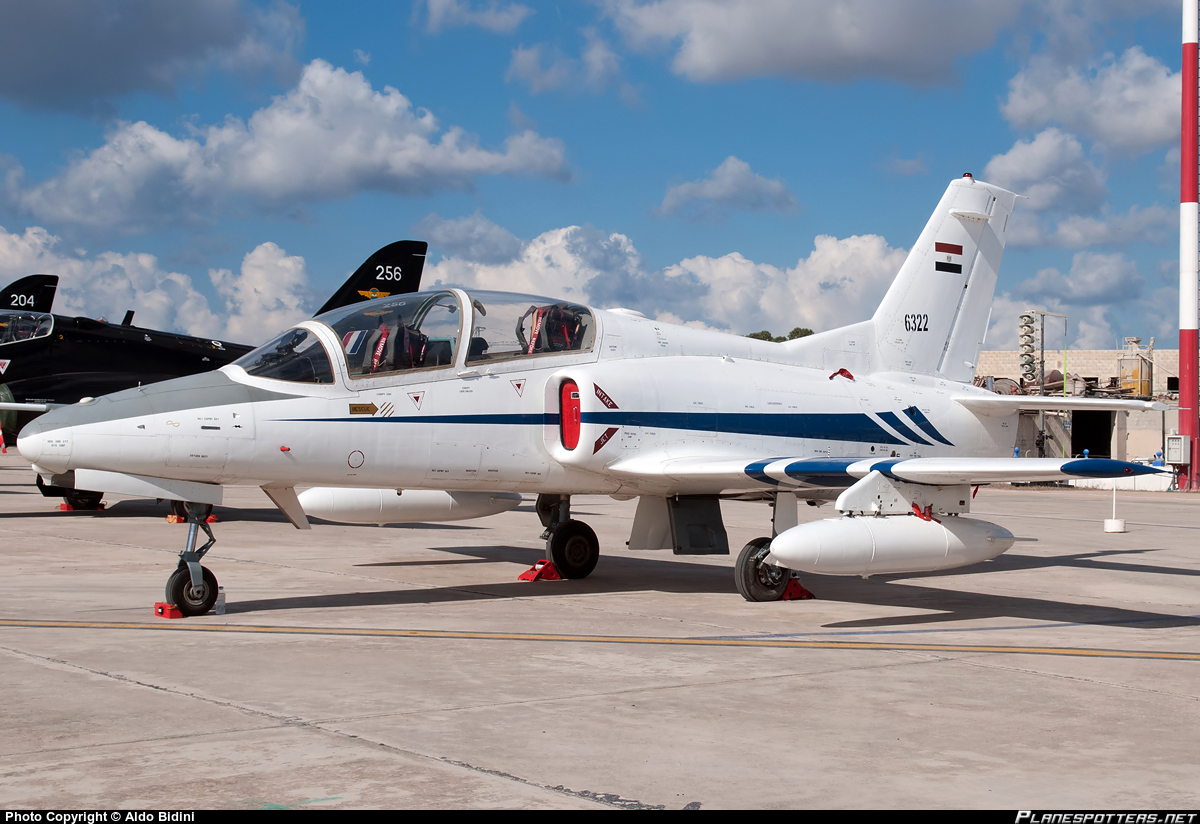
(491, 392)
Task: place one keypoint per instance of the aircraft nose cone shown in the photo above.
(31, 442)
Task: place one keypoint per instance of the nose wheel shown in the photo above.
(193, 588)
(191, 600)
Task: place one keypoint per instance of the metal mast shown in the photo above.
(1189, 244)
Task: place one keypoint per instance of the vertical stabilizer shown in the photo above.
(933, 318)
(33, 293)
(393, 270)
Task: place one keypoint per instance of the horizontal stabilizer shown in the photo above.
(995, 405)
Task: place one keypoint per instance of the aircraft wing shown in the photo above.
(800, 473)
(998, 405)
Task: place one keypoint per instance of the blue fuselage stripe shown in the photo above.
(923, 422)
(854, 427)
(817, 426)
(893, 421)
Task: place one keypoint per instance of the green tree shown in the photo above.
(798, 332)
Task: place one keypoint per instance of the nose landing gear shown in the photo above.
(193, 588)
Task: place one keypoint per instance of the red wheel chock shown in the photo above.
(179, 519)
(541, 571)
(795, 592)
(69, 508)
(167, 610)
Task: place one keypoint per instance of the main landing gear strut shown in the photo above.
(193, 588)
(572, 545)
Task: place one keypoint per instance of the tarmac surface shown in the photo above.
(407, 667)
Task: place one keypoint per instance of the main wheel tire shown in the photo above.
(189, 601)
(81, 501)
(758, 581)
(574, 549)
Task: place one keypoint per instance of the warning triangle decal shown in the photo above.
(4, 367)
(417, 397)
(519, 385)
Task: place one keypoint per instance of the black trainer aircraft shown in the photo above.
(48, 360)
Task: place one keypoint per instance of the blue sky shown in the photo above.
(221, 165)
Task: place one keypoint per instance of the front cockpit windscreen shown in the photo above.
(517, 326)
(398, 334)
(19, 326)
(296, 355)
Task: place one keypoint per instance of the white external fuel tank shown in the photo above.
(879, 546)
(388, 506)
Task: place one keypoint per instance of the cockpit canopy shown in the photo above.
(19, 326)
(396, 334)
(423, 330)
(297, 356)
(521, 326)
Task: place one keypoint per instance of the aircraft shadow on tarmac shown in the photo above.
(618, 574)
(631, 573)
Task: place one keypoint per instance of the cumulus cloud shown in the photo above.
(493, 16)
(915, 42)
(732, 187)
(840, 282)
(269, 293)
(1089, 327)
(1104, 297)
(1151, 224)
(1052, 171)
(80, 54)
(560, 263)
(142, 177)
(1130, 102)
(474, 238)
(1094, 279)
(596, 69)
